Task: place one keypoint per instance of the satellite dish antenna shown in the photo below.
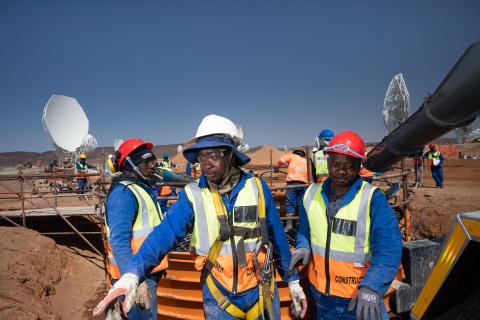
(66, 125)
(117, 143)
(396, 107)
(179, 148)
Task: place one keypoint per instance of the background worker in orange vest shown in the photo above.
(349, 238)
(132, 211)
(296, 175)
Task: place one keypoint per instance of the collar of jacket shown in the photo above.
(202, 183)
(327, 189)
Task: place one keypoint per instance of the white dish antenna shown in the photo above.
(396, 107)
(66, 125)
(117, 143)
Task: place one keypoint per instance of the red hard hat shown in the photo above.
(432, 145)
(349, 143)
(128, 146)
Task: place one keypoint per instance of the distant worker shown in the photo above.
(319, 159)
(435, 160)
(165, 162)
(82, 168)
(349, 234)
(132, 211)
(165, 191)
(66, 162)
(237, 234)
(296, 175)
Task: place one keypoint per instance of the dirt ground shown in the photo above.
(434, 209)
(40, 279)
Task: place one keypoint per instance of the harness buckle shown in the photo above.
(224, 303)
(265, 272)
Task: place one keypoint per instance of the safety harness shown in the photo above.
(228, 231)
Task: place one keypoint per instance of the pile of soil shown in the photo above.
(42, 280)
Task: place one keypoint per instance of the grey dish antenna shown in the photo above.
(66, 125)
(396, 107)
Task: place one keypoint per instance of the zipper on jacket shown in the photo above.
(327, 256)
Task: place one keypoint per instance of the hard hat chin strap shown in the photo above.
(135, 169)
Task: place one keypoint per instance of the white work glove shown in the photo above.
(299, 300)
(297, 255)
(125, 286)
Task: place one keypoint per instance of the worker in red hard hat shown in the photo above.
(132, 211)
(435, 160)
(350, 236)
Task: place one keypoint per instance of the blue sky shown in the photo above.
(284, 70)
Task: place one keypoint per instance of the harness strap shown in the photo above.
(226, 305)
(265, 296)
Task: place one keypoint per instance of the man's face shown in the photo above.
(342, 169)
(433, 149)
(213, 163)
(147, 168)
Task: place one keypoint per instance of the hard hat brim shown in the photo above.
(191, 152)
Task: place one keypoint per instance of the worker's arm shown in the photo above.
(385, 244)
(121, 210)
(174, 227)
(303, 232)
(276, 235)
(425, 155)
(283, 160)
(442, 159)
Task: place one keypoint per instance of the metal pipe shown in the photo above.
(455, 103)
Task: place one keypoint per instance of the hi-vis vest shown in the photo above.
(433, 156)
(320, 162)
(340, 247)
(234, 268)
(148, 216)
(297, 167)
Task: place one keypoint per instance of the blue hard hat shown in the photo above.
(326, 134)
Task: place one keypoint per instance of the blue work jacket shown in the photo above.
(121, 212)
(179, 221)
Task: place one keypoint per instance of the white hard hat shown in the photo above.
(213, 124)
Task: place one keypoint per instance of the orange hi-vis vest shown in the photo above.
(149, 215)
(297, 167)
(340, 245)
(234, 267)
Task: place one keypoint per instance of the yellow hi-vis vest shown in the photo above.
(320, 162)
(149, 215)
(432, 156)
(340, 249)
(229, 270)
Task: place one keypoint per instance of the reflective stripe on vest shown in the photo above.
(349, 252)
(320, 162)
(207, 227)
(148, 216)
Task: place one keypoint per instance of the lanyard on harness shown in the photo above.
(266, 272)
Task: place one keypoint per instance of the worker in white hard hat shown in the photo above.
(236, 233)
